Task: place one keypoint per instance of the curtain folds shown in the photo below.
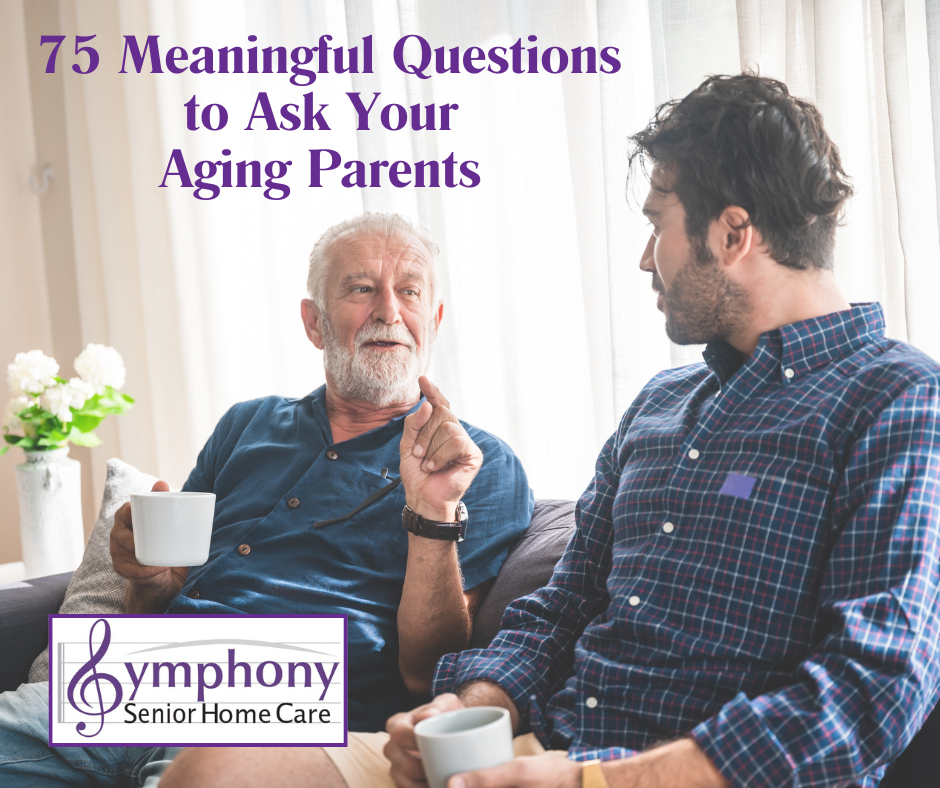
(872, 69)
(550, 329)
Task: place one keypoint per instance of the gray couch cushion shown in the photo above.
(96, 587)
(24, 629)
(529, 565)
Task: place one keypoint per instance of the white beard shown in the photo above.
(378, 377)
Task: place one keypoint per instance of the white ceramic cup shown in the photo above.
(172, 528)
(464, 740)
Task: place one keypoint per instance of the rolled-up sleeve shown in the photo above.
(202, 476)
(500, 504)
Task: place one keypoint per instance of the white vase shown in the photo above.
(50, 488)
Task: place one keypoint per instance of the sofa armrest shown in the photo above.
(24, 629)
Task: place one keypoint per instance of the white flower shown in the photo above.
(31, 372)
(58, 400)
(15, 406)
(81, 391)
(101, 366)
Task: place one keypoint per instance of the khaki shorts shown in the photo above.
(363, 765)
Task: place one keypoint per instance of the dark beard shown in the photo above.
(703, 304)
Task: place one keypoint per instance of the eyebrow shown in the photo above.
(647, 211)
(409, 276)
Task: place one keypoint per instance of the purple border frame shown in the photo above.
(343, 616)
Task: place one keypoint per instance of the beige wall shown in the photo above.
(40, 302)
(24, 322)
(89, 260)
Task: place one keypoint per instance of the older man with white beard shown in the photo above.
(311, 499)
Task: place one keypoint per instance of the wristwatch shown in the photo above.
(592, 776)
(430, 529)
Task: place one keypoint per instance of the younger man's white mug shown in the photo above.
(172, 528)
(454, 742)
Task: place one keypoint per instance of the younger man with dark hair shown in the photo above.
(755, 573)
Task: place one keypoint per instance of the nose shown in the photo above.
(385, 306)
(646, 259)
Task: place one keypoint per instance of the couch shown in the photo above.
(25, 606)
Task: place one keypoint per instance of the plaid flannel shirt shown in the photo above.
(755, 565)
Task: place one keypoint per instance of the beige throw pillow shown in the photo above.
(96, 587)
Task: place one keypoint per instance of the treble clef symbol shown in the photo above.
(94, 678)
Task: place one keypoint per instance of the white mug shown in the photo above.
(454, 742)
(172, 528)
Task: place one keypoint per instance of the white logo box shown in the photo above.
(200, 680)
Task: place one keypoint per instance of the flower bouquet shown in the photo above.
(52, 412)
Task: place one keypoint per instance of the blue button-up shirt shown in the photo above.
(276, 471)
(755, 565)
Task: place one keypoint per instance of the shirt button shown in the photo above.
(194, 595)
(668, 528)
(634, 601)
(332, 455)
(693, 454)
(243, 549)
(591, 703)
(789, 372)
(293, 503)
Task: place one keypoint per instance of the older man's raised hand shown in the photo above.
(438, 457)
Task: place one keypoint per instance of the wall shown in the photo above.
(38, 265)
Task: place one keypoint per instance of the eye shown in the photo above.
(361, 289)
(411, 291)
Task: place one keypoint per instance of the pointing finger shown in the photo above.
(432, 393)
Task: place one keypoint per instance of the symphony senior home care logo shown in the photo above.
(197, 680)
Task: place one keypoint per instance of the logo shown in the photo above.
(197, 680)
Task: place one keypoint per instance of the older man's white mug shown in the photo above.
(172, 528)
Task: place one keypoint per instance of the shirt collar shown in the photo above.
(723, 359)
(317, 400)
(805, 346)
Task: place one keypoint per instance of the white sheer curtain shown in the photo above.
(872, 68)
(550, 329)
(525, 346)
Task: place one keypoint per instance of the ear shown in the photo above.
(440, 315)
(310, 314)
(732, 235)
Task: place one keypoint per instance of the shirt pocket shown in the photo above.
(372, 537)
(752, 563)
(781, 550)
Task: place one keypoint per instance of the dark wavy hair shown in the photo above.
(744, 140)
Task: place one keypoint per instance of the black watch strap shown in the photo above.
(430, 529)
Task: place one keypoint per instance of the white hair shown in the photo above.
(391, 225)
